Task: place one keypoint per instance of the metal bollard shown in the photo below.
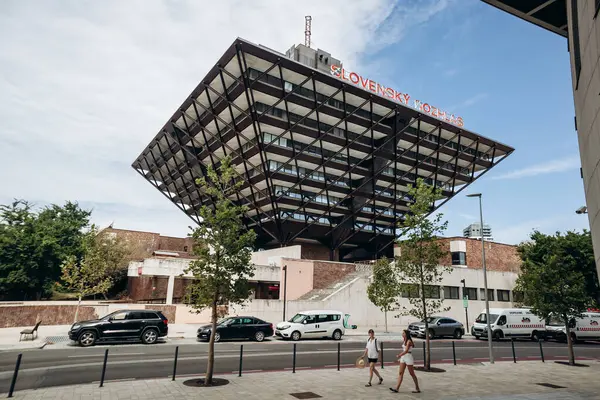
(424, 356)
(104, 368)
(175, 362)
(512, 342)
(541, 351)
(14, 378)
(381, 355)
(241, 357)
(453, 352)
(294, 365)
(338, 359)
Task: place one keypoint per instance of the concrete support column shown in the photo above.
(170, 288)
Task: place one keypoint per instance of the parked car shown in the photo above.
(313, 324)
(124, 325)
(585, 328)
(438, 327)
(238, 328)
(510, 323)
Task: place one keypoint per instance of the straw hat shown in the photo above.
(360, 362)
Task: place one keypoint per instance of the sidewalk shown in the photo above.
(473, 382)
(56, 336)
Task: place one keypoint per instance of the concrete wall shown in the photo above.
(587, 109)
(300, 277)
(274, 256)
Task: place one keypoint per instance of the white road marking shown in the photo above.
(102, 355)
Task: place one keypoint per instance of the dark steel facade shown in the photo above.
(322, 161)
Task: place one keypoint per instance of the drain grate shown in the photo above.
(305, 395)
(57, 339)
(551, 385)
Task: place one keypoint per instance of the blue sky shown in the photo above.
(86, 85)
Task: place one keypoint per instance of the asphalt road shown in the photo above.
(54, 367)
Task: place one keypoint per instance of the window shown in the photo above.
(490, 293)
(597, 8)
(459, 258)
(447, 321)
(119, 316)
(432, 292)
(451, 292)
(247, 321)
(311, 319)
(410, 291)
(288, 86)
(471, 293)
(185, 248)
(503, 295)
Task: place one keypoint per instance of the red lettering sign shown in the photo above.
(402, 98)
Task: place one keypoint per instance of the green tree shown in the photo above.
(34, 244)
(418, 265)
(116, 253)
(554, 277)
(384, 289)
(223, 248)
(90, 274)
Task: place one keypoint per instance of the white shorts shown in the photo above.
(407, 359)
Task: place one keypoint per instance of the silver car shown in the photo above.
(438, 327)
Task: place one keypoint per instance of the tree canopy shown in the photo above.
(384, 289)
(555, 276)
(418, 265)
(34, 244)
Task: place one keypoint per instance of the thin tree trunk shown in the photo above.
(569, 343)
(77, 309)
(211, 343)
(386, 325)
(424, 303)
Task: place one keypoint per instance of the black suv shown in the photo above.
(124, 325)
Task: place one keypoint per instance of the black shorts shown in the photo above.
(373, 360)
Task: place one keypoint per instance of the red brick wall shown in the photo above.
(143, 244)
(140, 287)
(314, 252)
(498, 256)
(327, 273)
(11, 316)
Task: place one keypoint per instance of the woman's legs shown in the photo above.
(411, 371)
(371, 369)
(400, 375)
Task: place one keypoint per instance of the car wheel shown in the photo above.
(535, 336)
(259, 336)
(458, 334)
(337, 335)
(296, 336)
(87, 338)
(573, 338)
(150, 336)
(431, 334)
(217, 337)
(498, 335)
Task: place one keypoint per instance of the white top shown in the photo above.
(372, 351)
(404, 347)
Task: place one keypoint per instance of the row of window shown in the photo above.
(325, 220)
(322, 99)
(453, 293)
(306, 196)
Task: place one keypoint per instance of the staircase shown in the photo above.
(322, 294)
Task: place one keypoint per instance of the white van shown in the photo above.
(586, 328)
(510, 323)
(313, 324)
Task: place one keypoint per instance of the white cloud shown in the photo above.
(86, 85)
(558, 165)
(517, 233)
(470, 101)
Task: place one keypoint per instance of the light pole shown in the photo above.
(465, 299)
(284, 289)
(485, 285)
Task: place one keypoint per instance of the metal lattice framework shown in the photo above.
(320, 160)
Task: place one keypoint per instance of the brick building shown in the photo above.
(145, 244)
(465, 252)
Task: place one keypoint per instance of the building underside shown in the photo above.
(322, 160)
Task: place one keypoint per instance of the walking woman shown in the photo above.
(407, 361)
(372, 353)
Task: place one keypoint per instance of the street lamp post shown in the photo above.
(485, 285)
(284, 289)
(465, 298)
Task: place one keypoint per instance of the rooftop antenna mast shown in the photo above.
(307, 23)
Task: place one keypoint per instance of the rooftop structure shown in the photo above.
(473, 231)
(326, 155)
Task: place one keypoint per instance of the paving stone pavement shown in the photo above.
(468, 382)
